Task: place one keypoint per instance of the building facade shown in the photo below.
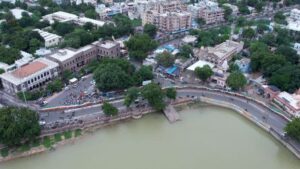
(29, 77)
(49, 38)
(209, 11)
(75, 59)
(219, 54)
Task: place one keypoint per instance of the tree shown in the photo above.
(139, 46)
(165, 59)
(111, 77)
(243, 9)
(204, 72)
(236, 80)
(18, 125)
(233, 67)
(109, 110)
(113, 74)
(261, 28)
(200, 21)
(131, 95)
(279, 18)
(55, 86)
(88, 26)
(63, 28)
(241, 21)
(293, 129)
(186, 51)
(171, 93)
(2, 71)
(67, 75)
(289, 53)
(9, 55)
(91, 13)
(144, 73)
(150, 30)
(248, 33)
(227, 12)
(155, 96)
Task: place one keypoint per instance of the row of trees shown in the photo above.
(152, 93)
(211, 37)
(280, 67)
(18, 125)
(236, 80)
(116, 74)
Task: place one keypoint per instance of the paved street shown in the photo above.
(73, 94)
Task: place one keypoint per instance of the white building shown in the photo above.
(8, 1)
(17, 12)
(297, 48)
(31, 76)
(219, 54)
(61, 16)
(289, 102)
(49, 38)
(294, 21)
(295, 14)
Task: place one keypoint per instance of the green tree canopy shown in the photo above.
(155, 96)
(293, 129)
(279, 18)
(165, 59)
(144, 73)
(248, 33)
(113, 74)
(131, 95)
(171, 93)
(109, 109)
(289, 53)
(17, 125)
(186, 51)
(55, 86)
(139, 46)
(236, 80)
(9, 55)
(204, 72)
(150, 30)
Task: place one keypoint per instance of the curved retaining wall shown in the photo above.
(247, 115)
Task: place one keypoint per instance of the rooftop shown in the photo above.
(28, 71)
(292, 100)
(200, 64)
(17, 12)
(46, 35)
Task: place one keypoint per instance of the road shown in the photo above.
(258, 111)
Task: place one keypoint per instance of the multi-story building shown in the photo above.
(29, 77)
(295, 14)
(170, 22)
(289, 102)
(169, 6)
(109, 49)
(294, 22)
(207, 10)
(75, 59)
(108, 12)
(168, 16)
(220, 53)
(49, 38)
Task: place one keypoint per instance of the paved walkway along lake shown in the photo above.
(206, 137)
